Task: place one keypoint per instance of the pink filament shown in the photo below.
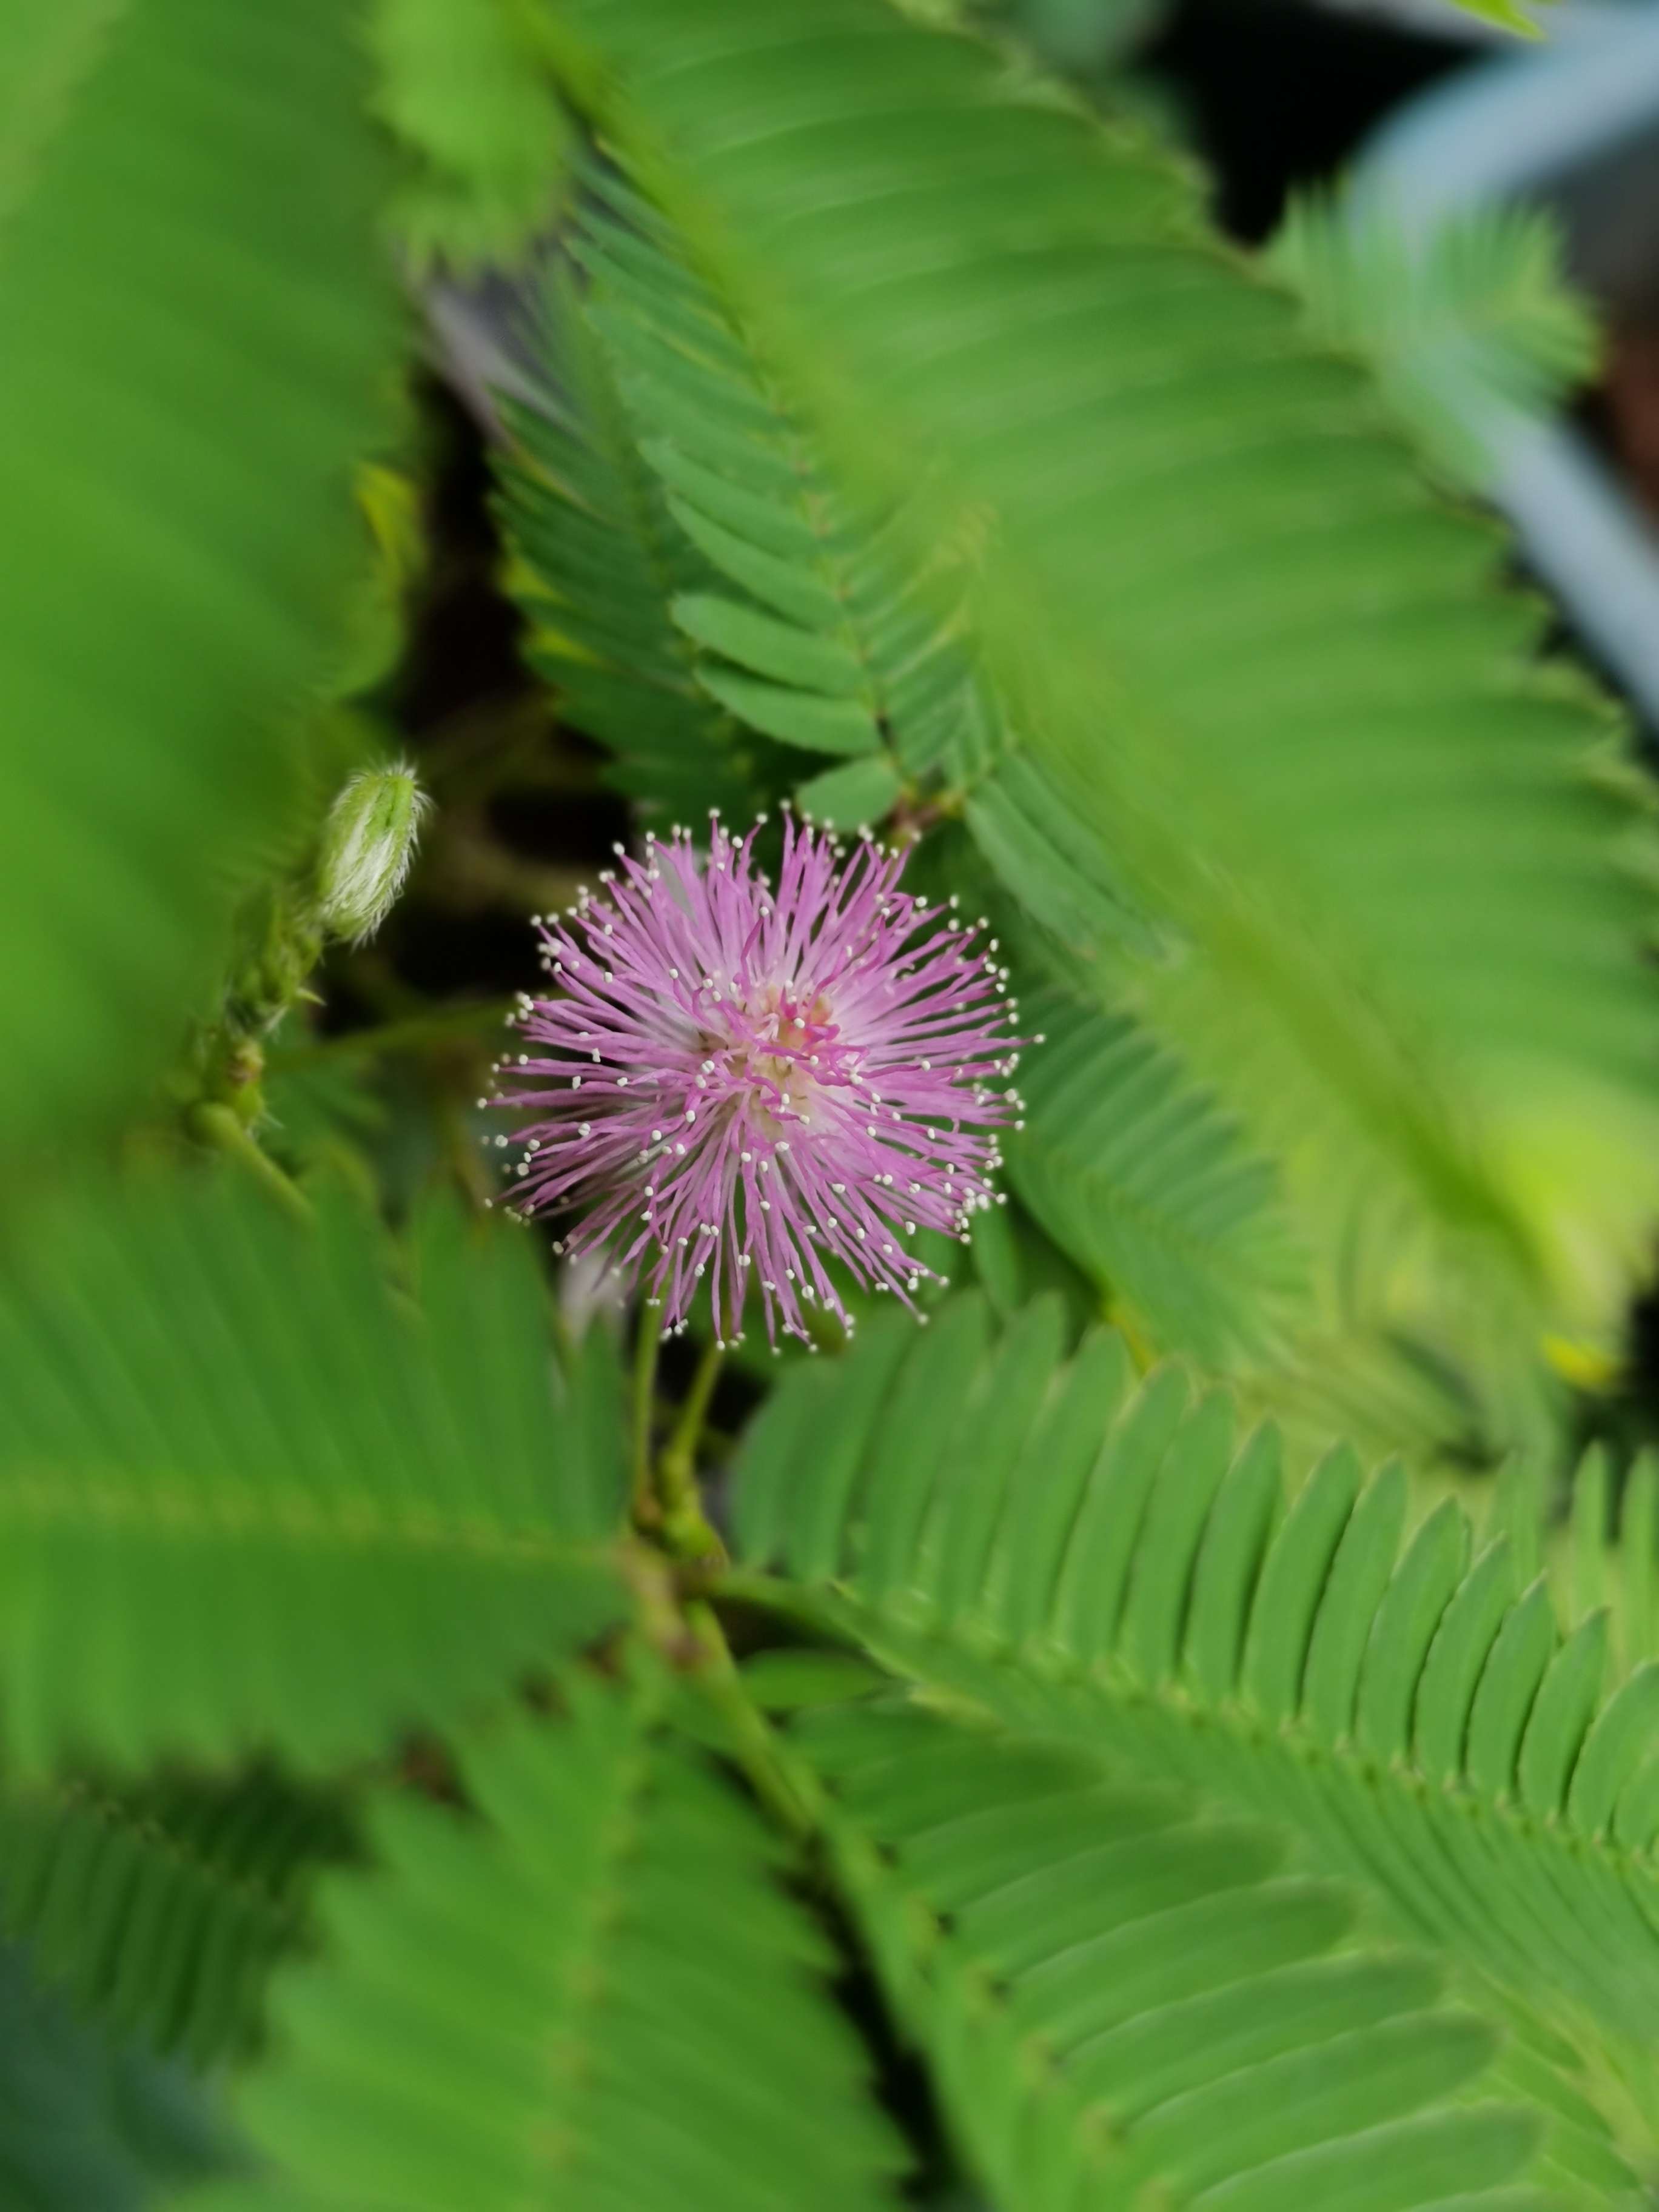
(738, 1083)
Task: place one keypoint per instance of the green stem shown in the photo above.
(777, 1781)
(677, 1470)
(647, 1510)
(281, 942)
(223, 1131)
(686, 1529)
(687, 1632)
(666, 1503)
(775, 1593)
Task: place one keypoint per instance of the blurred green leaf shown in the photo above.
(85, 2124)
(842, 642)
(199, 343)
(594, 1994)
(1477, 323)
(248, 1496)
(460, 83)
(91, 1870)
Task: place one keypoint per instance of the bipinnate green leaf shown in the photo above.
(201, 343)
(590, 1990)
(599, 562)
(1121, 1998)
(1140, 1594)
(802, 610)
(249, 1496)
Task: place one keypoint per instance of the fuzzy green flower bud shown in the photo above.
(368, 842)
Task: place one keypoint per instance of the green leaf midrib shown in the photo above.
(585, 1988)
(65, 1499)
(591, 1987)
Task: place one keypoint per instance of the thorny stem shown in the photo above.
(782, 1782)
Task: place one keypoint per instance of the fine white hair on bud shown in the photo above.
(368, 843)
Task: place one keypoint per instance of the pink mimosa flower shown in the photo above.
(737, 1083)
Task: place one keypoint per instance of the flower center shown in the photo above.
(781, 1050)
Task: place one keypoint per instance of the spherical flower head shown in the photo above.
(738, 1083)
